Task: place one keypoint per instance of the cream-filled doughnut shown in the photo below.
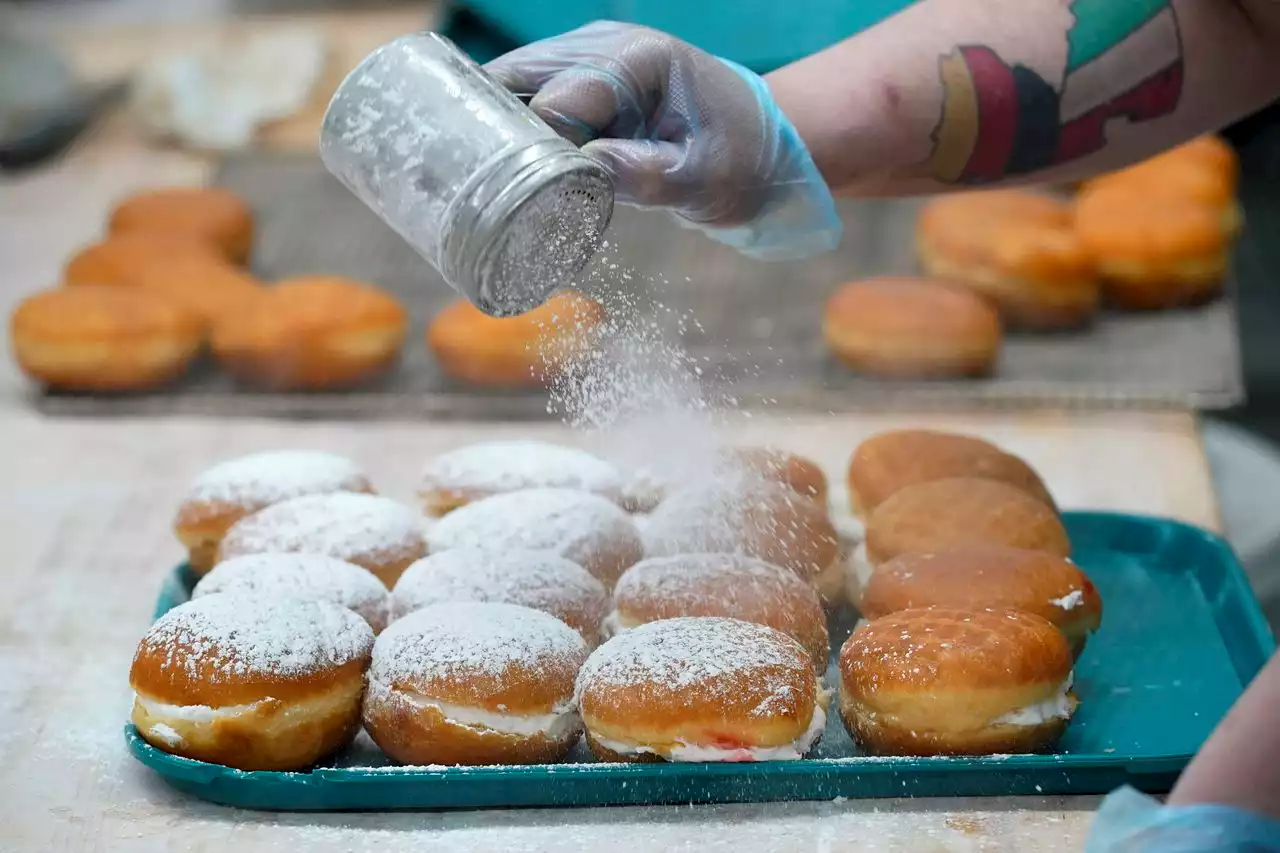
(593, 532)
(539, 580)
(728, 585)
(373, 532)
(489, 468)
(251, 683)
(751, 516)
(475, 683)
(701, 689)
(231, 490)
(977, 577)
(940, 681)
(306, 576)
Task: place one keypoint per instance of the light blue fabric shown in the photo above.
(1131, 822)
(800, 218)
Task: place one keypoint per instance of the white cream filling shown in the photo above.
(1056, 707)
(195, 713)
(613, 625)
(165, 734)
(561, 721)
(690, 752)
(1070, 601)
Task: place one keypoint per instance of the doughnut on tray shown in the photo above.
(1181, 637)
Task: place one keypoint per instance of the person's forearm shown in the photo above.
(962, 93)
(1240, 763)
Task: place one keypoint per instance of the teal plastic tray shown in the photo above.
(1182, 635)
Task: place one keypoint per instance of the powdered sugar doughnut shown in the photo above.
(373, 532)
(229, 491)
(536, 579)
(755, 517)
(306, 576)
(593, 532)
(701, 689)
(253, 683)
(729, 585)
(490, 468)
(475, 683)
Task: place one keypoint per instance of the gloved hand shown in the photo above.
(680, 129)
(1130, 822)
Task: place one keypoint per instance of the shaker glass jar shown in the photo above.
(502, 206)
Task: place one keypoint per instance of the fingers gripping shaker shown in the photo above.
(469, 176)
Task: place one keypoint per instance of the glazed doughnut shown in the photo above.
(728, 585)
(892, 460)
(373, 532)
(941, 514)
(977, 577)
(530, 350)
(701, 689)
(1153, 253)
(593, 532)
(535, 579)
(903, 327)
(312, 333)
(312, 577)
(488, 468)
(215, 216)
(937, 681)
(472, 683)
(757, 518)
(115, 261)
(251, 683)
(231, 490)
(803, 476)
(1018, 249)
(103, 339)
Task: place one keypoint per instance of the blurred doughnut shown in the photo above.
(215, 216)
(103, 339)
(903, 327)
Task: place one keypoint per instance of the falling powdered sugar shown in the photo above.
(346, 525)
(228, 637)
(260, 479)
(307, 576)
(464, 640)
(537, 579)
(493, 467)
(685, 581)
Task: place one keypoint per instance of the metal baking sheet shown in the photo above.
(1174, 592)
(759, 325)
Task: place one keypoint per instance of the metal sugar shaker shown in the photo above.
(469, 176)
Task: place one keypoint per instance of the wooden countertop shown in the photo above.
(84, 541)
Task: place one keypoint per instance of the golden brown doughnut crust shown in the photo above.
(103, 339)
(720, 707)
(890, 461)
(729, 585)
(514, 352)
(902, 327)
(117, 260)
(940, 514)
(803, 476)
(312, 333)
(976, 577)
(931, 681)
(213, 215)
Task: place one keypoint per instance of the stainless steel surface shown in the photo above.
(758, 326)
(468, 175)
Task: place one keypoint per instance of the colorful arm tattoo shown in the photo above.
(1124, 61)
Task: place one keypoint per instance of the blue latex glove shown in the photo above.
(680, 129)
(1130, 822)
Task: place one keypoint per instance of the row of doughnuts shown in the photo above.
(169, 281)
(983, 597)
(1155, 235)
